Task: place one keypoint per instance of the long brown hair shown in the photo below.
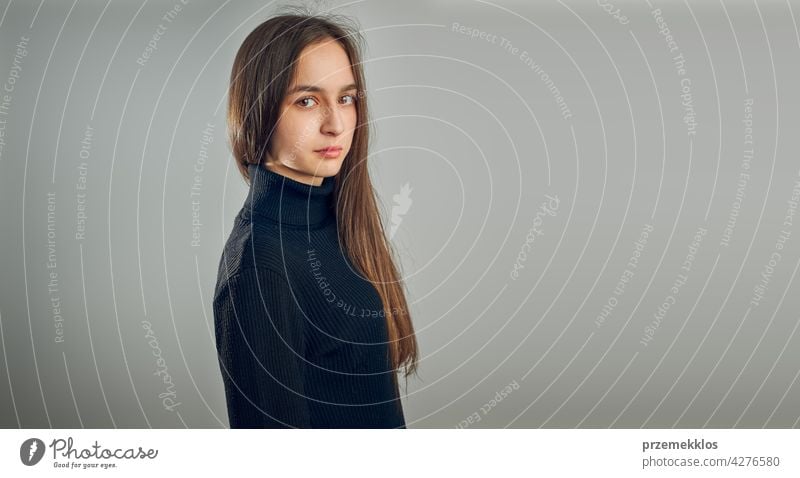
(262, 72)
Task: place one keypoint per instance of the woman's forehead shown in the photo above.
(324, 65)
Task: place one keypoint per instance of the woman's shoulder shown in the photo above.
(250, 245)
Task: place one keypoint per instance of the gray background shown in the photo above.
(480, 137)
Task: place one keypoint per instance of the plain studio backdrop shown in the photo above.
(591, 204)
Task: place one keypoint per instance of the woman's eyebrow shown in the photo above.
(317, 89)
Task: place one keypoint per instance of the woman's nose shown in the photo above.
(332, 121)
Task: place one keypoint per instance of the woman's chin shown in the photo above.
(327, 168)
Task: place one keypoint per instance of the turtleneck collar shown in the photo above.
(285, 200)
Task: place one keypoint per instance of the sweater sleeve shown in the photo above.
(260, 344)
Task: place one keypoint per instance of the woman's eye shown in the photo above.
(349, 99)
(304, 102)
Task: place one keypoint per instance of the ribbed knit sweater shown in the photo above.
(301, 335)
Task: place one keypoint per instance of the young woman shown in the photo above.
(310, 316)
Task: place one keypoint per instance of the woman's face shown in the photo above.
(318, 112)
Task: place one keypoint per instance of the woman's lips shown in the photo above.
(330, 152)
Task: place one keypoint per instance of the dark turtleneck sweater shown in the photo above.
(301, 335)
